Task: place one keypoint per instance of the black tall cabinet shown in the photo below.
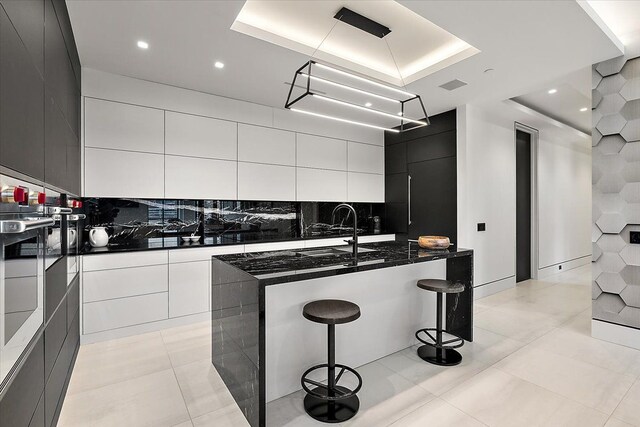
(40, 138)
(421, 179)
(39, 93)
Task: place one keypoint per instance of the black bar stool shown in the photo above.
(436, 350)
(331, 403)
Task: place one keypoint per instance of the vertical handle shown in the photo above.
(409, 197)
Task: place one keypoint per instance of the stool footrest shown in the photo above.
(339, 393)
(456, 342)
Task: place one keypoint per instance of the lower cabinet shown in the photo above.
(189, 288)
(122, 312)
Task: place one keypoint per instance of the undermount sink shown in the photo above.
(334, 251)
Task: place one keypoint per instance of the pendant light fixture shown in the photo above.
(332, 93)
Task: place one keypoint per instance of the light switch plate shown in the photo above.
(634, 237)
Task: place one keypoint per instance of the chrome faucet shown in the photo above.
(353, 241)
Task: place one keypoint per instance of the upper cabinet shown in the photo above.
(365, 158)
(117, 126)
(322, 153)
(21, 93)
(189, 135)
(260, 144)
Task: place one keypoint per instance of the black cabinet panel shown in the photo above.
(27, 16)
(57, 139)
(57, 383)
(21, 105)
(433, 198)
(54, 336)
(55, 286)
(396, 188)
(20, 401)
(442, 122)
(73, 300)
(434, 147)
(65, 25)
(37, 420)
(395, 158)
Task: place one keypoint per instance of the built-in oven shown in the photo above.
(23, 233)
(75, 225)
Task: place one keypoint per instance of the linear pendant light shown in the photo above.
(362, 79)
(359, 107)
(353, 122)
(354, 89)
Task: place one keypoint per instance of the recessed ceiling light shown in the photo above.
(368, 104)
(584, 109)
(143, 44)
(400, 113)
(552, 91)
(218, 64)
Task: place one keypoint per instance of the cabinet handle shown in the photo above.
(409, 197)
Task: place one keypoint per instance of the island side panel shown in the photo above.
(459, 312)
(392, 309)
(236, 337)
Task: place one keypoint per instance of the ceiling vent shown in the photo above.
(453, 84)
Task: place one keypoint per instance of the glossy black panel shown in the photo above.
(138, 224)
(54, 336)
(21, 105)
(237, 350)
(395, 158)
(27, 16)
(73, 300)
(65, 25)
(55, 286)
(434, 147)
(459, 311)
(37, 420)
(20, 399)
(523, 206)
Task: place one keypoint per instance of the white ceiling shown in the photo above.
(310, 28)
(527, 43)
(622, 17)
(573, 93)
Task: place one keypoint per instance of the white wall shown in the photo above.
(144, 139)
(486, 191)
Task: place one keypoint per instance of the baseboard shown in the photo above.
(566, 266)
(617, 334)
(143, 328)
(481, 291)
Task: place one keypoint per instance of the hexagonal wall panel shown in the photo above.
(631, 172)
(631, 255)
(611, 263)
(631, 109)
(611, 84)
(611, 222)
(631, 131)
(611, 282)
(596, 97)
(595, 290)
(611, 144)
(630, 70)
(631, 295)
(611, 66)
(596, 78)
(630, 316)
(611, 183)
(631, 274)
(631, 192)
(609, 303)
(630, 90)
(631, 152)
(609, 202)
(631, 213)
(611, 243)
(595, 252)
(611, 124)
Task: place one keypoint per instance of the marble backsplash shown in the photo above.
(146, 223)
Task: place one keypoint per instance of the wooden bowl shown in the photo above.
(434, 242)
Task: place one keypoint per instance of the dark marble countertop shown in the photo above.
(276, 267)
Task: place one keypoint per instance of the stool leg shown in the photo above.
(433, 354)
(331, 359)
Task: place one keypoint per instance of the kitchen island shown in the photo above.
(261, 344)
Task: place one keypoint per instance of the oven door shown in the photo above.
(22, 253)
(74, 230)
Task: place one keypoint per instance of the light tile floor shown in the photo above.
(532, 363)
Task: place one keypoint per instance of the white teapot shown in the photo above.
(98, 237)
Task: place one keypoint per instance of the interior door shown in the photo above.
(523, 206)
(432, 198)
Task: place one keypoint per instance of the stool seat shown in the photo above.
(331, 311)
(441, 286)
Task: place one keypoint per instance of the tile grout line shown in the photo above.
(173, 369)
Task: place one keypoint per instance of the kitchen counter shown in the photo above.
(261, 342)
(276, 267)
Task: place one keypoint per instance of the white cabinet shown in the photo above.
(118, 313)
(124, 282)
(190, 135)
(265, 145)
(274, 246)
(321, 185)
(320, 152)
(189, 288)
(196, 178)
(365, 187)
(111, 173)
(266, 182)
(365, 158)
(123, 260)
(120, 126)
(203, 254)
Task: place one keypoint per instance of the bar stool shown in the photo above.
(331, 403)
(437, 351)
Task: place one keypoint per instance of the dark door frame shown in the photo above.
(534, 196)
